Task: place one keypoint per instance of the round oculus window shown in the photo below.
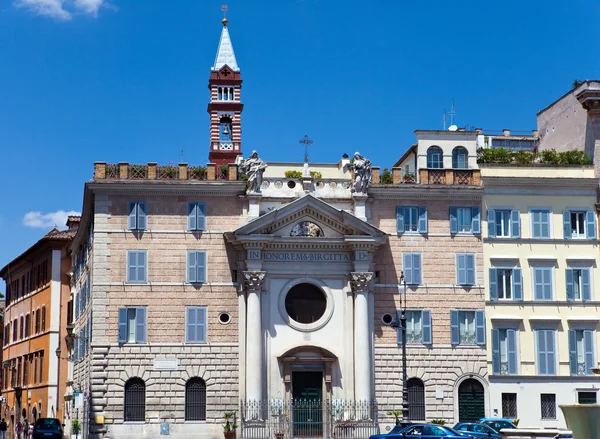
(305, 303)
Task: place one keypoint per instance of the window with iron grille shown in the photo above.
(548, 402)
(135, 400)
(416, 399)
(195, 400)
(509, 405)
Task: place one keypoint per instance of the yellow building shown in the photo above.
(540, 252)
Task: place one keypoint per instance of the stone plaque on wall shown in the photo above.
(166, 363)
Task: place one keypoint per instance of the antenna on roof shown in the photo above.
(181, 152)
(444, 119)
(452, 113)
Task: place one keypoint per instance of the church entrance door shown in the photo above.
(307, 409)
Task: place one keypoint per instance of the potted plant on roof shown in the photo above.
(409, 177)
(229, 427)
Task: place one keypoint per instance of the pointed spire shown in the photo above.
(225, 54)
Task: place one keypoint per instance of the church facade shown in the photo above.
(198, 293)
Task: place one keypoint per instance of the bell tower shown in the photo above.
(225, 107)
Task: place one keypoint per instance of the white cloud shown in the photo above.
(47, 220)
(62, 10)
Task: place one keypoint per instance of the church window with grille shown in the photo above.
(135, 400)
(195, 400)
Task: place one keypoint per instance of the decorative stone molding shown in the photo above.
(254, 280)
(361, 281)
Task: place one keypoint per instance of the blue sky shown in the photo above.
(126, 80)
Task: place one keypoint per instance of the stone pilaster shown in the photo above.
(361, 284)
(254, 351)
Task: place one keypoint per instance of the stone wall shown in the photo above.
(439, 367)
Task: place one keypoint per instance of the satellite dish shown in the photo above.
(452, 128)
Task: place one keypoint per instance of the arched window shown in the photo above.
(195, 400)
(37, 320)
(416, 399)
(43, 318)
(231, 93)
(21, 328)
(220, 94)
(225, 129)
(435, 157)
(135, 400)
(460, 158)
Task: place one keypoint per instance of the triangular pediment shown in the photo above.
(306, 213)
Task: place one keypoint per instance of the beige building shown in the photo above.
(540, 267)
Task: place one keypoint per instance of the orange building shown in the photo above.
(34, 366)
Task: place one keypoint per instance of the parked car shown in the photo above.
(498, 423)
(477, 430)
(47, 428)
(422, 431)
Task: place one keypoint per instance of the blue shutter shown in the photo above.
(570, 284)
(190, 325)
(426, 327)
(192, 216)
(496, 366)
(131, 221)
(201, 221)
(588, 343)
(141, 269)
(515, 224)
(131, 266)
(422, 219)
(122, 325)
(416, 270)
(480, 327)
(586, 290)
(491, 220)
(407, 268)
(545, 224)
(454, 329)
(461, 269)
(511, 340)
(538, 284)
(200, 266)
(470, 260)
(590, 226)
(551, 352)
(493, 284)
(191, 263)
(536, 224)
(541, 348)
(476, 220)
(140, 325)
(567, 224)
(399, 219)
(201, 325)
(517, 284)
(141, 216)
(453, 220)
(573, 352)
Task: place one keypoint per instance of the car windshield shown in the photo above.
(47, 424)
(397, 429)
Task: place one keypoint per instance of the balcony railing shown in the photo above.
(153, 171)
(457, 177)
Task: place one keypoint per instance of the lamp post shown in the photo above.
(402, 326)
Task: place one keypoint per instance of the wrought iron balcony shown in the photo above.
(450, 176)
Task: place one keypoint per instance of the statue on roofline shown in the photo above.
(362, 173)
(254, 168)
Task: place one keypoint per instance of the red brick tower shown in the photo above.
(225, 108)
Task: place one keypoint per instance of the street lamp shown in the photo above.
(402, 326)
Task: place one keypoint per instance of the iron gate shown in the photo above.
(308, 419)
(416, 399)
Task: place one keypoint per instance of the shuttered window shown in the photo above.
(412, 268)
(196, 266)
(196, 216)
(546, 351)
(132, 325)
(195, 324)
(411, 219)
(465, 220)
(136, 266)
(137, 216)
(465, 269)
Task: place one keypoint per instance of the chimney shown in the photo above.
(479, 130)
(534, 133)
(506, 132)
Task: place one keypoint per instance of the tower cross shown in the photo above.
(306, 141)
(224, 8)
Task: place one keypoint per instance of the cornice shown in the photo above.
(159, 187)
(537, 183)
(426, 192)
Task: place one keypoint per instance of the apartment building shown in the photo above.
(34, 367)
(540, 251)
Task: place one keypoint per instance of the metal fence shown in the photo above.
(308, 419)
